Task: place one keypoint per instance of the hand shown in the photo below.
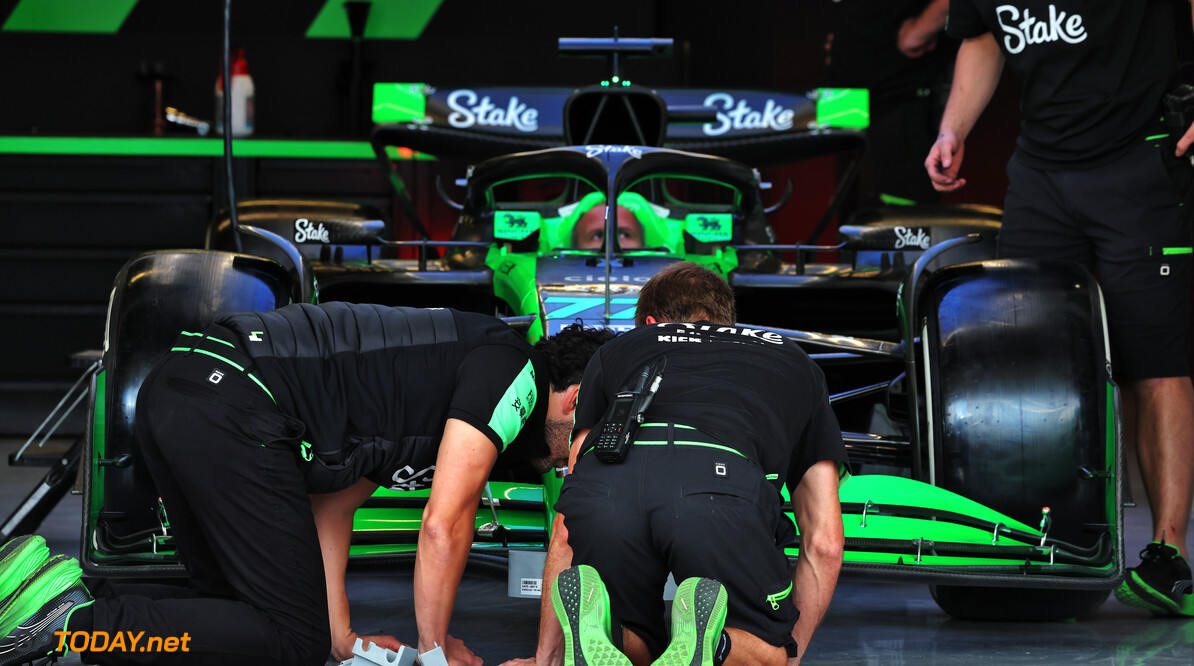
(1183, 144)
(944, 161)
(342, 646)
(458, 653)
(913, 41)
(549, 658)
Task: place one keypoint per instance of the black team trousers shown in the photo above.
(225, 462)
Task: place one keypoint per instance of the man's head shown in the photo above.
(566, 353)
(590, 229)
(685, 292)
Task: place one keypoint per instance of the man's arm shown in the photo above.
(976, 74)
(465, 458)
(918, 35)
(333, 519)
(818, 514)
(550, 651)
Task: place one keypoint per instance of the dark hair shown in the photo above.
(568, 352)
(686, 292)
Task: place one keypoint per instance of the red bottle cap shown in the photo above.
(240, 67)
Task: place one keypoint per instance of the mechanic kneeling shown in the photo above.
(238, 424)
(738, 412)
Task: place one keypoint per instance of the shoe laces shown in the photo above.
(1158, 551)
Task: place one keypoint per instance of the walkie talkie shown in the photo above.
(625, 414)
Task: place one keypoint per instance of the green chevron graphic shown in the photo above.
(388, 19)
(93, 16)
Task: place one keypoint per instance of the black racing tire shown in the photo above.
(156, 295)
(1018, 384)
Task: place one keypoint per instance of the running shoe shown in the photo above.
(1160, 584)
(582, 606)
(19, 558)
(698, 615)
(39, 607)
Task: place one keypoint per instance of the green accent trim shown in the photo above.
(710, 227)
(847, 108)
(99, 422)
(229, 362)
(1157, 136)
(893, 200)
(399, 102)
(305, 450)
(213, 355)
(223, 342)
(664, 425)
(66, 623)
(191, 147)
(723, 261)
(515, 225)
(259, 383)
(387, 20)
(1166, 251)
(514, 281)
(515, 405)
(194, 335)
(774, 599)
(771, 477)
(86, 16)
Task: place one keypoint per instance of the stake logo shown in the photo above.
(1024, 29)
(737, 115)
(413, 480)
(906, 237)
(467, 111)
(305, 231)
(594, 151)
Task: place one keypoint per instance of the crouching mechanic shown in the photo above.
(738, 413)
(240, 423)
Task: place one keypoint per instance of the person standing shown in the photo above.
(1098, 178)
(894, 49)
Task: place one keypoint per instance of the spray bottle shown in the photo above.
(242, 97)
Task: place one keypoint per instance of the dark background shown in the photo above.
(67, 224)
(89, 84)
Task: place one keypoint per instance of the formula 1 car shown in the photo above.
(979, 389)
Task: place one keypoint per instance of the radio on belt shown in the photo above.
(625, 414)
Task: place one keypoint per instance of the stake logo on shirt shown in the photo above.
(1023, 28)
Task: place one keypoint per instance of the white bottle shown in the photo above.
(242, 97)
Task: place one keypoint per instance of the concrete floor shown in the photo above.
(869, 622)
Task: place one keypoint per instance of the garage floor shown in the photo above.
(868, 622)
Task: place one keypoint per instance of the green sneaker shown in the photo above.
(57, 575)
(19, 558)
(35, 638)
(582, 606)
(1160, 584)
(698, 614)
